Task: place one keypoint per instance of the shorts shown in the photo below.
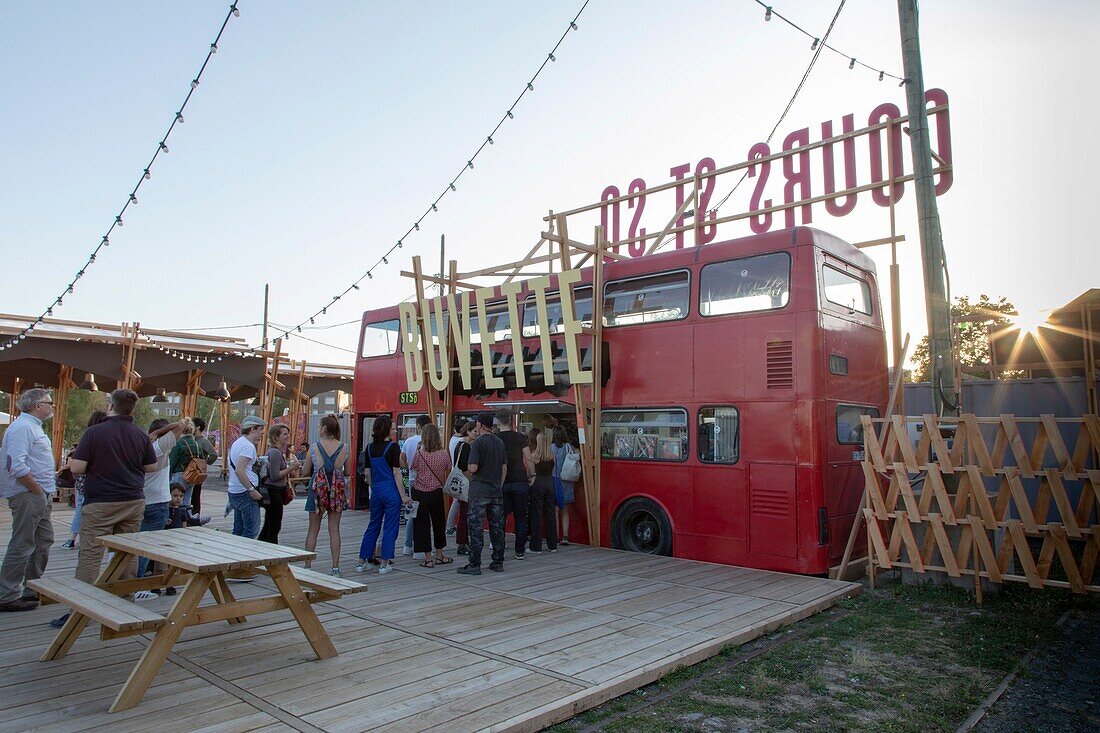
(563, 492)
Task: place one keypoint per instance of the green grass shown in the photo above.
(903, 658)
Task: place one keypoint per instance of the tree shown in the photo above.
(973, 323)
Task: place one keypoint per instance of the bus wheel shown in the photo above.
(642, 526)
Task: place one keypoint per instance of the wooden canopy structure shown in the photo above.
(64, 355)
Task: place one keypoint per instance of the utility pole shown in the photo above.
(264, 337)
(945, 400)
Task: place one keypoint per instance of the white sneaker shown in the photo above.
(336, 573)
(360, 567)
(144, 595)
(385, 569)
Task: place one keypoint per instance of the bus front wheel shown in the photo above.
(641, 525)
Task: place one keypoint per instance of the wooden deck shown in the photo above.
(553, 635)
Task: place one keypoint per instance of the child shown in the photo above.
(180, 514)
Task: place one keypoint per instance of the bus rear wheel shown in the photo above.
(641, 525)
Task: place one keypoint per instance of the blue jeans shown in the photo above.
(156, 517)
(75, 526)
(246, 515)
(385, 513)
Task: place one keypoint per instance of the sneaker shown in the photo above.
(336, 573)
(407, 551)
(552, 549)
(452, 530)
(170, 591)
(19, 605)
(520, 556)
(463, 550)
(387, 568)
(360, 567)
(68, 544)
(58, 622)
(144, 595)
(496, 567)
(563, 541)
(469, 570)
(533, 551)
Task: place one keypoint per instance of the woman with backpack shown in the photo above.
(327, 464)
(432, 464)
(563, 490)
(387, 494)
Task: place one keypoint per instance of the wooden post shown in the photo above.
(426, 336)
(61, 411)
(596, 406)
(129, 378)
(13, 409)
(296, 406)
(225, 437)
(271, 384)
(189, 404)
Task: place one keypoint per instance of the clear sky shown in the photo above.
(322, 130)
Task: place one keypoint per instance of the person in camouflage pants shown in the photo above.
(479, 509)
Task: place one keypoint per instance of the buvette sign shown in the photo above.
(450, 316)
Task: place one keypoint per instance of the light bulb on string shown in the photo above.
(881, 74)
(163, 147)
(573, 26)
(510, 115)
(490, 139)
(768, 13)
(213, 48)
(531, 86)
(236, 13)
(552, 57)
(194, 83)
(901, 83)
(852, 65)
(106, 242)
(133, 199)
(179, 117)
(369, 276)
(813, 46)
(453, 187)
(118, 221)
(148, 175)
(385, 261)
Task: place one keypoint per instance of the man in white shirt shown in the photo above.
(27, 481)
(243, 497)
(408, 453)
(157, 492)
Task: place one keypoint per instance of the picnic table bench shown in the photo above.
(196, 558)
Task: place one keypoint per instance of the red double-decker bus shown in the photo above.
(734, 378)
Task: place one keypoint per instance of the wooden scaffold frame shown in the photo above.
(568, 254)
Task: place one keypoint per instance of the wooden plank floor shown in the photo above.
(553, 635)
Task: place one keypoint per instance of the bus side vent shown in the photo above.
(771, 502)
(780, 365)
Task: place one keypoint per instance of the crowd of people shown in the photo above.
(128, 479)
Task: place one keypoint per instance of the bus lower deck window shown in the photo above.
(644, 435)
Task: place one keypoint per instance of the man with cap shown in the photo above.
(486, 469)
(244, 499)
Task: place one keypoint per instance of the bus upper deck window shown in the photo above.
(380, 339)
(846, 290)
(582, 304)
(758, 283)
(661, 297)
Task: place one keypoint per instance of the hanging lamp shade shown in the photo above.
(222, 392)
(89, 383)
(160, 396)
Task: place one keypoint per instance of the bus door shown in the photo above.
(721, 488)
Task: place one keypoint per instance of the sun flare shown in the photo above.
(1029, 322)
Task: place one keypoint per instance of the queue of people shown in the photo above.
(129, 479)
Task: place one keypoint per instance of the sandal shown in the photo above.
(427, 564)
(444, 560)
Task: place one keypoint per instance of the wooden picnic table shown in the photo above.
(196, 558)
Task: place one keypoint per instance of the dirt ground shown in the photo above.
(901, 658)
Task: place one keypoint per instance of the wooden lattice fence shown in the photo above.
(985, 504)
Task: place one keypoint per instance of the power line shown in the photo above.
(131, 199)
(319, 343)
(769, 11)
(433, 207)
(818, 48)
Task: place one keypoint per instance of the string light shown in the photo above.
(769, 12)
(146, 174)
